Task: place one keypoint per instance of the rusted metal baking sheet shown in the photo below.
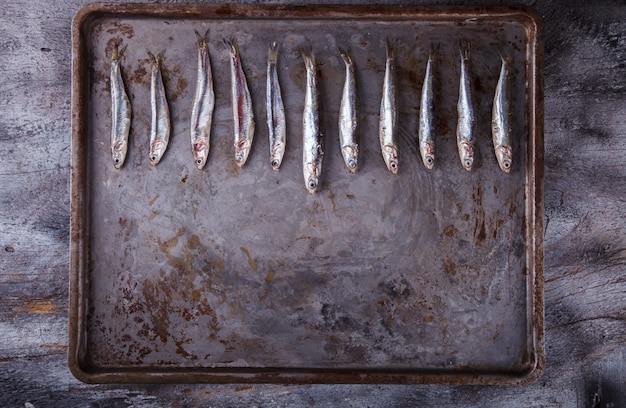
(240, 275)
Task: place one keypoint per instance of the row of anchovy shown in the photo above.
(312, 133)
(465, 138)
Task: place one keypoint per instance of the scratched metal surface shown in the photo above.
(229, 268)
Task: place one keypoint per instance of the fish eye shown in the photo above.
(394, 165)
(429, 160)
(117, 160)
(507, 164)
(199, 161)
(238, 158)
(275, 163)
(352, 164)
(153, 158)
(312, 184)
(468, 163)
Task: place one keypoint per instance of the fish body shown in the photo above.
(160, 124)
(276, 123)
(312, 135)
(243, 115)
(203, 104)
(388, 113)
(465, 139)
(426, 129)
(500, 119)
(121, 112)
(348, 116)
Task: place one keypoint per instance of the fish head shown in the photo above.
(312, 177)
(276, 157)
(504, 154)
(200, 154)
(351, 156)
(156, 151)
(275, 163)
(390, 155)
(118, 153)
(466, 153)
(242, 149)
(428, 154)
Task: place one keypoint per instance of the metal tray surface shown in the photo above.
(240, 275)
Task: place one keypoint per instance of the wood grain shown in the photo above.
(585, 229)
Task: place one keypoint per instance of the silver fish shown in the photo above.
(243, 116)
(203, 104)
(500, 120)
(426, 122)
(348, 116)
(388, 112)
(465, 127)
(276, 124)
(312, 135)
(160, 124)
(121, 111)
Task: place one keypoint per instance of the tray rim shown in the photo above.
(533, 23)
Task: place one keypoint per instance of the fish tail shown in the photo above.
(231, 45)
(272, 54)
(464, 50)
(345, 55)
(202, 40)
(433, 52)
(308, 57)
(117, 52)
(505, 56)
(153, 59)
(156, 60)
(392, 47)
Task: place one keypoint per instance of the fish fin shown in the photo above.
(272, 54)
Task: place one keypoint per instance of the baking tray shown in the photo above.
(240, 275)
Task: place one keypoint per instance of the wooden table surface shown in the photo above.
(585, 229)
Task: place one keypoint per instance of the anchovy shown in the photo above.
(388, 113)
(465, 127)
(243, 116)
(312, 135)
(426, 121)
(500, 121)
(276, 124)
(121, 111)
(203, 104)
(348, 116)
(160, 125)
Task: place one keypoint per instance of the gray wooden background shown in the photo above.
(585, 229)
